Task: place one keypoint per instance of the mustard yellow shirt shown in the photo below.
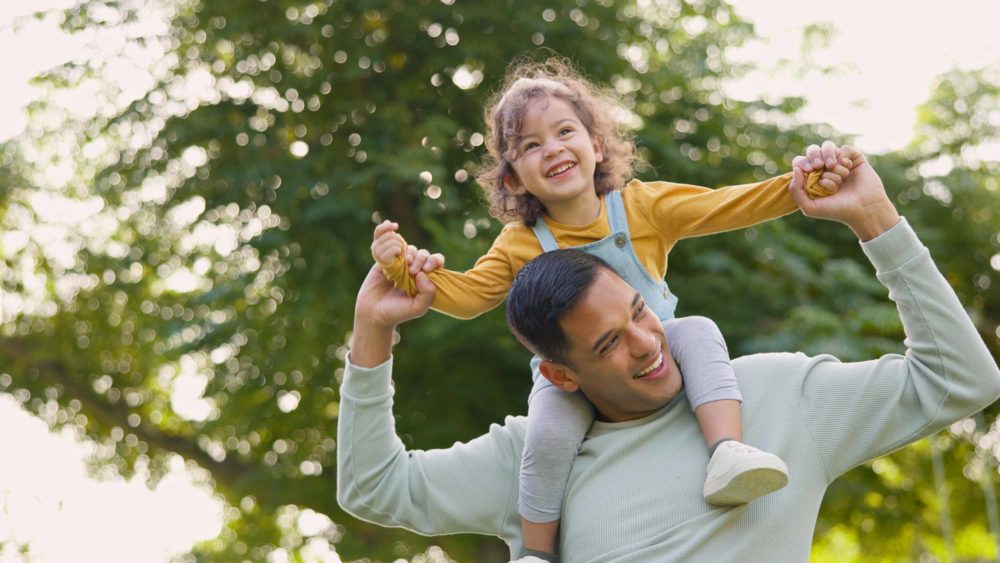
(659, 214)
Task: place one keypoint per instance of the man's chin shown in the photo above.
(667, 394)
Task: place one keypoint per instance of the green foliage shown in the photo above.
(319, 118)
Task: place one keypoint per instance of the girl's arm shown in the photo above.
(462, 295)
(684, 211)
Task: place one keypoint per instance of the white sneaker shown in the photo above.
(529, 559)
(738, 473)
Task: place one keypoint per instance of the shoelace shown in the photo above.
(741, 447)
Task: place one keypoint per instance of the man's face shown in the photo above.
(618, 353)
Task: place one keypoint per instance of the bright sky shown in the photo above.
(888, 51)
(50, 504)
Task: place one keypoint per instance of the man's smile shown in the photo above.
(652, 368)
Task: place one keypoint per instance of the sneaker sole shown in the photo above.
(748, 486)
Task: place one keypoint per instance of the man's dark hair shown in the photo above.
(543, 292)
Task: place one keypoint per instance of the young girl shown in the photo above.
(556, 171)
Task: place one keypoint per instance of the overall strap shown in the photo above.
(616, 212)
(544, 235)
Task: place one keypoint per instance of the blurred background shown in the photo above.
(188, 189)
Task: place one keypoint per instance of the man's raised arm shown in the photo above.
(378, 311)
(468, 487)
(859, 411)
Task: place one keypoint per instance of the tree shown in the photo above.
(226, 196)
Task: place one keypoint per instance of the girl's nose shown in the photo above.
(552, 148)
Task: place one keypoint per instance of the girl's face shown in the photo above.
(556, 158)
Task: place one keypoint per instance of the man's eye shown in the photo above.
(640, 310)
(610, 345)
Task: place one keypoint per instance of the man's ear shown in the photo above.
(560, 375)
(512, 184)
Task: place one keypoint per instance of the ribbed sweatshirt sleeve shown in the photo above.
(856, 412)
(469, 487)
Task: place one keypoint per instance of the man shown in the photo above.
(635, 489)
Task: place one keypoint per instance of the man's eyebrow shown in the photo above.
(600, 341)
(604, 337)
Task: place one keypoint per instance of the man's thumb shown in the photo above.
(796, 189)
(425, 291)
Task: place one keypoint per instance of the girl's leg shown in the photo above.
(709, 380)
(719, 421)
(557, 424)
(700, 351)
(737, 473)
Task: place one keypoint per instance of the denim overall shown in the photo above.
(615, 249)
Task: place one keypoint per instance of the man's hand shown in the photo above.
(861, 202)
(381, 304)
(380, 308)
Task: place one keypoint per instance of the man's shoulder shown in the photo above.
(508, 434)
(767, 360)
(515, 425)
(768, 370)
(772, 375)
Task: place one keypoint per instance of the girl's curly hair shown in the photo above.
(527, 81)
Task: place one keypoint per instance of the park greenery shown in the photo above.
(222, 216)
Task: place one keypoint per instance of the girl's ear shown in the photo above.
(598, 155)
(513, 186)
(559, 375)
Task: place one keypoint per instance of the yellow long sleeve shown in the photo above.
(465, 295)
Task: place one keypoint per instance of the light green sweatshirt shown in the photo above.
(635, 488)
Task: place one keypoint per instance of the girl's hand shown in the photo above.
(829, 159)
(818, 158)
(421, 260)
(386, 243)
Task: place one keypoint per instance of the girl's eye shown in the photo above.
(565, 131)
(528, 146)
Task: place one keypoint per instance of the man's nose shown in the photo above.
(643, 342)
